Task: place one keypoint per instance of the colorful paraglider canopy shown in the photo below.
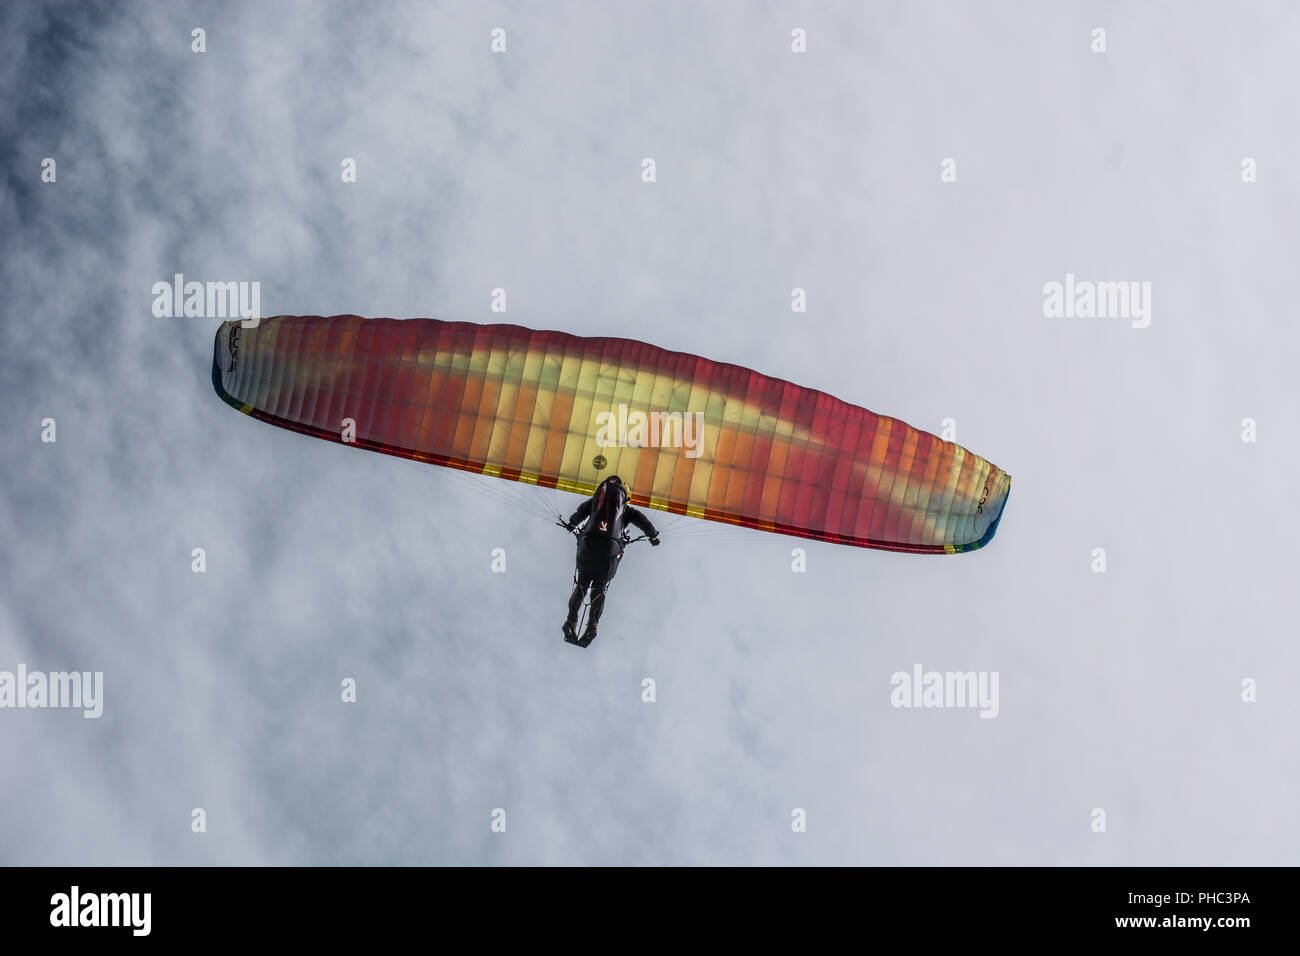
(688, 435)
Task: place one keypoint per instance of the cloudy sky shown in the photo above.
(1119, 691)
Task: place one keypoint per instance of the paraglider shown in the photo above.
(601, 544)
(689, 436)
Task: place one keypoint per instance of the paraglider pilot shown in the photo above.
(600, 548)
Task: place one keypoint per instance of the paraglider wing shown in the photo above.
(688, 435)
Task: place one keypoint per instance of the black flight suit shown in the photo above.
(600, 547)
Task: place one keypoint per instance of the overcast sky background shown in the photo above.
(1119, 691)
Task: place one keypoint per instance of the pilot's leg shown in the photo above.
(575, 605)
(597, 604)
(597, 608)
